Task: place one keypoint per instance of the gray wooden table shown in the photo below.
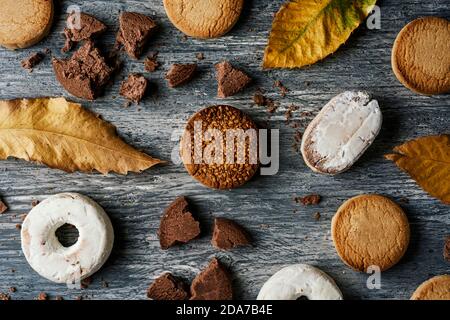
(284, 232)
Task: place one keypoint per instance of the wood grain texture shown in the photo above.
(284, 232)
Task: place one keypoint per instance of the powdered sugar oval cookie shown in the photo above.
(341, 132)
(204, 18)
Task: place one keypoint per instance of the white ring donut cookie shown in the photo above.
(300, 280)
(341, 132)
(48, 257)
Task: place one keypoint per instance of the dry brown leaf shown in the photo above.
(306, 31)
(64, 135)
(427, 161)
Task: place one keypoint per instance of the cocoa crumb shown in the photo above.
(289, 112)
(12, 289)
(3, 207)
(259, 99)
(42, 296)
(271, 106)
(86, 282)
(34, 203)
(200, 56)
(151, 63)
(105, 284)
(18, 226)
(317, 216)
(4, 297)
(447, 249)
(312, 199)
(283, 89)
(33, 60)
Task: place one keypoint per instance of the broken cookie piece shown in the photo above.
(180, 73)
(309, 200)
(177, 224)
(3, 207)
(151, 62)
(230, 80)
(33, 60)
(134, 87)
(81, 26)
(134, 31)
(228, 235)
(167, 287)
(213, 283)
(84, 74)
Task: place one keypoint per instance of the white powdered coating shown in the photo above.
(341, 132)
(300, 280)
(44, 252)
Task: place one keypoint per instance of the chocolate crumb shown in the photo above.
(42, 296)
(317, 216)
(167, 287)
(289, 112)
(179, 74)
(283, 89)
(47, 51)
(447, 249)
(34, 203)
(105, 284)
(3, 207)
(151, 63)
(259, 99)
(12, 289)
(86, 282)
(18, 226)
(230, 80)
(134, 87)
(213, 283)
(88, 27)
(313, 199)
(4, 297)
(177, 224)
(228, 235)
(33, 60)
(200, 56)
(135, 29)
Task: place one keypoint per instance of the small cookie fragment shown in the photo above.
(230, 80)
(436, 288)
(134, 31)
(179, 74)
(370, 230)
(177, 224)
(134, 87)
(204, 18)
(151, 63)
(167, 287)
(233, 164)
(213, 283)
(228, 235)
(447, 249)
(24, 23)
(420, 57)
(310, 200)
(81, 26)
(3, 207)
(33, 60)
(84, 74)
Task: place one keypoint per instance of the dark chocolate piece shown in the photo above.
(228, 235)
(33, 60)
(213, 283)
(3, 207)
(81, 29)
(134, 88)
(230, 80)
(180, 74)
(151, 63)
(167, 287)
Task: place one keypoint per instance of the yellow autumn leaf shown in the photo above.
(306, 31)
(64, 135)
(427, 161)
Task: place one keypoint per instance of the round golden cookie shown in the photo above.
(420, 57)
(370, 230)
(24, 23)
(204, 18)
(207, 150)
(436, 288)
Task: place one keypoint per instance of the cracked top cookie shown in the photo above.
(219, 147)
(436, 288)
(204, 18)
(370, 230)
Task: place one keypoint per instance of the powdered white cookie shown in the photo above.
(300, 280)
(341, 132)
(48, 257)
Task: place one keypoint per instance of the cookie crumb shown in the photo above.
(34, 203)
(3, 207)
(42, 296)
(283, 89)
(105, 284)
(167, 287)
(33, 60)
(447, 249)
(18, 226)
(4, 297)
(151, 63)
(312, 199)
(290, 111)
(259, 99)
(86, 282)
(12, 289)
(200, 56)
(317, 216)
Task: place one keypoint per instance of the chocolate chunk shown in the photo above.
(33, 60)
(83, 29)
(177, 224)
(228, 234)
(85, 74)
(200, 56)
(230, 80)
(447, 249)
(3, 207)
(151, 63)
(134, 87)
(167, 287)
(259, 99)
(309, 200)
(180, 73)
(134, 31)
(213, 283)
